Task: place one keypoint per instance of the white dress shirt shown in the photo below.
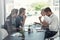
(54, 23)
(46, 18)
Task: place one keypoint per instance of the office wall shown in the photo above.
(59, 14)
(1, 12)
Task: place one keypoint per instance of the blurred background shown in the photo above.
(33, 8)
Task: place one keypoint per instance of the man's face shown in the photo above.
(48, 13)
(23, 12)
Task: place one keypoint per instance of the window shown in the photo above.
(32, 14)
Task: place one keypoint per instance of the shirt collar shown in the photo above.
(51, 15)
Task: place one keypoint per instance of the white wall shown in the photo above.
(59, 15)
(1, 12)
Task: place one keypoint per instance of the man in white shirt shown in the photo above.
(52, 28)
(43, 18)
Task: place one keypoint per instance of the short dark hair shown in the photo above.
(47, 9)
(21, 10)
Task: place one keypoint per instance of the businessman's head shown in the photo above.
(22, 11)
(48, 11)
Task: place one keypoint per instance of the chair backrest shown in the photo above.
(3, 33)
(57, 35)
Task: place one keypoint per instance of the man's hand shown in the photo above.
(45, 23)
(24, 16)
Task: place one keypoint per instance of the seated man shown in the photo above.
(52, 28)
(44, 18)
(20, 20)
